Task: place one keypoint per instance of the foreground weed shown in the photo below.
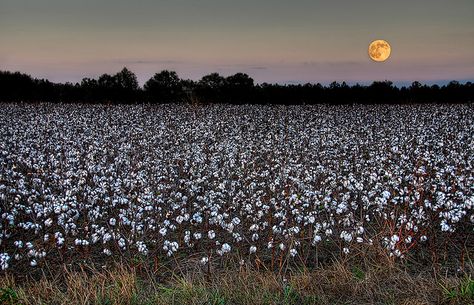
(8, 296)
(463, 292)
(358, 273)
(216, 298)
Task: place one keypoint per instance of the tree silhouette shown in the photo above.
(239, 88)
(164, 87)
(210, 87)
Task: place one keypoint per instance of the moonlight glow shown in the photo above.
(379, 50)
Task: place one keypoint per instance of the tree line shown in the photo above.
(167, 87)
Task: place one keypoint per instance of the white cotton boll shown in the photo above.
(345, 250)
(142, 248)
(48, 222)
(187, 237)
(197, 218)
(95, 238)
(360, 239)
(18, 244)
(174, 246)
(282, 247)
(423, 238)
(211, 234)
(204, 260)
(346, 236)
(121, 243)
(445, 226)
(106, 237)
(33, 263)
(197, 235)
(4, 258)
(163, 231)
(59, 241)
(253, 249)
(293, 252)
(226, 248)
(112, 221)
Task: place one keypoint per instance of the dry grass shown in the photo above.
(338, 283)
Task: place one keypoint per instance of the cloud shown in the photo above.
(331, 63)
(125, 61)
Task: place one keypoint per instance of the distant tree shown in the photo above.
(106, 81)
(381, 92)
(16, 86)
(239, 80)
(419, 92)
(239, 88)
(126, 85)
(164, 87)
(126, 79)
(213, 81)
(210, 87)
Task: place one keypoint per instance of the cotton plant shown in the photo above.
(158, 180)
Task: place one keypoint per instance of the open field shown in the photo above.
(356, 196)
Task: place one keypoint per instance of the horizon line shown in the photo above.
(396, 83)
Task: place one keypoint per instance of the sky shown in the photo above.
(277, 41)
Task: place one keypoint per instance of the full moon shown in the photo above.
(379, 50)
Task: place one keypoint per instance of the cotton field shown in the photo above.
(271, 184)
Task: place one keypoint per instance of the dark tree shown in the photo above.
(239, 88)
(126, 85)
(126, 79)
(164, 87)
(210, 88)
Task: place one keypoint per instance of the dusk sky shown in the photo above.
(272, 41)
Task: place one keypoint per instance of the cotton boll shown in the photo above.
(112, 221)
(211, 234)
(4, 259)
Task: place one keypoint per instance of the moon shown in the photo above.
(379, 50)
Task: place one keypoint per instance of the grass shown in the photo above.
(338, 283)
(8, 296)
(461, 291)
